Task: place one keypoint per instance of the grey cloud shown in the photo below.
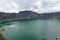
(47, 6)
(18, 5)
(6, 5)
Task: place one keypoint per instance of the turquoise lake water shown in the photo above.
(33, 29)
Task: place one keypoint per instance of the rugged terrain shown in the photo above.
(28, 15)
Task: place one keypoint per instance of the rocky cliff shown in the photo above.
(28, 15)
(19, 16)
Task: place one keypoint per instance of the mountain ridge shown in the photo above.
(28, 15)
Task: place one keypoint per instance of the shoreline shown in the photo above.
(6, 20)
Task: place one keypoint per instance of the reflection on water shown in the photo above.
(33, 30)
(3, 24)
(2, 29)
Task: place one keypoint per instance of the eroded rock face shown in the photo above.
(20, 15)
(28, 15)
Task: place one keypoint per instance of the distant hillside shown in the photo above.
(52, 15)
(28, 15)
(19, 16)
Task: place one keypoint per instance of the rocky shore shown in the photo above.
(2, 37)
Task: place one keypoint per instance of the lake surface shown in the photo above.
(33, 29)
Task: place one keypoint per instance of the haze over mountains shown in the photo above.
(28, 15)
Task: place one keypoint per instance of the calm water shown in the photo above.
(33, 29)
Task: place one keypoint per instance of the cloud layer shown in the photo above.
(40, 6)
(46, 6)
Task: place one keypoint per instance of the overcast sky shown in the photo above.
(40, 6)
